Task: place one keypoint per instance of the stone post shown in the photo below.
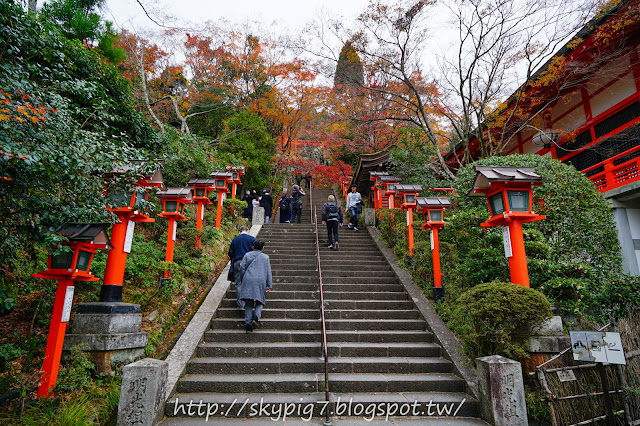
(370, 217)
(142, 394)
(258, 216)
(501, 391)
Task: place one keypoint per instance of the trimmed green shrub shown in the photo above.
(495, 318)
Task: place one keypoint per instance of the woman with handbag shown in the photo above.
(354, 205)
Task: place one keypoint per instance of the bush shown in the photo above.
(495, 318)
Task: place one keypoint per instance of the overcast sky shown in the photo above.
(292, 14)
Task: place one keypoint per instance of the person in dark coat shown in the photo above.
(248, 212)
(240, 245)
(296, 203)
(285, 208)
(267, 202)
(256, 282)
(307, 180)
(332, 217)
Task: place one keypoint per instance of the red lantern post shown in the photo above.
(201, 189)
(122, 231)
(389, 183)
(68, 267)
(409, 194)
(376, 188)
(173, 202)
(221, 178)
(509, 194)
(236, 173)
(433, 210)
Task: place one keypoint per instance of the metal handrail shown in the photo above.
(313, 219)
(325, 349)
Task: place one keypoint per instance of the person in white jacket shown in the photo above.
(354, 200)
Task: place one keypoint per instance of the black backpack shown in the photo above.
(297, 198)
(332, 212)
(285, 204)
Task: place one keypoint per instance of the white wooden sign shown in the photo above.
(175, 230)
(566, 376)
(408, 218)
(66, 308)
(202, 213)
(506, 240)
(431, 238)
(597, 346)
(128, 238)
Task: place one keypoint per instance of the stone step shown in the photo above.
(267, 324)
(381, 365)
(279, 303)
(334, 336)
(365, 324)
(310, 382)
(235, 406)
(229, 302)
(363, 295)
(284, 313)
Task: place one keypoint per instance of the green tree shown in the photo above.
(65, 116)
(246, 136)
(80, 20)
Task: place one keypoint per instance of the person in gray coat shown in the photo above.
(256, 281)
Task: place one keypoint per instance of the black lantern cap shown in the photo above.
(486, 175)
(93, 233)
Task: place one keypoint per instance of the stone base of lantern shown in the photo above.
(438, 294)
(110, 331)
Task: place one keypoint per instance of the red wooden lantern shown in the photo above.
(66, 267)
(433, 210)
(409, 193)
(236, 174)
(201, 190)
(377, 188)
(122, 231)
(173, 202)
(222, 179)
(388, 184)
(509, 193)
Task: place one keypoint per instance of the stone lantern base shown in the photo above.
(110, 331)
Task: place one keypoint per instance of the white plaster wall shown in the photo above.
(572, 120)
(607, 72)
(613, 94)
(634, 226)
(565, 103)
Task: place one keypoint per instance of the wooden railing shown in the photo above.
(615, 171)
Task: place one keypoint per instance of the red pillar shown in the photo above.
(219, 212)
(53, 351)
(410, 229)
(199, 224)
(170, 243)
(437, 274)
(111, 290)
(233, 195)
(518, 260)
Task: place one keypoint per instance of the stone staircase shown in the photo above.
(381, 356)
